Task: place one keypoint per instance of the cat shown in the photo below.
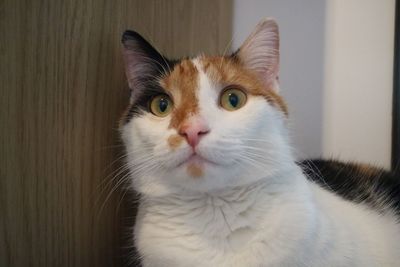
(209, 154)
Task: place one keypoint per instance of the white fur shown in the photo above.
(254, 207)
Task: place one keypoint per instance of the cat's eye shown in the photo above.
(232, 99)
(161, 105)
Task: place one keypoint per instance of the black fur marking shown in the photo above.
(375, 187)
(148, 85)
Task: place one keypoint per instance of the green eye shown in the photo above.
(161, 105)
(233, 99)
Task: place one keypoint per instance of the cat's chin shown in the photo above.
(205, 177)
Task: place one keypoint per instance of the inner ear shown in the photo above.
(260, 51)
(143, 63)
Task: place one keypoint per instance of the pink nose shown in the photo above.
(193, 131)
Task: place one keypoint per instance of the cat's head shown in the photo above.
(204, 123)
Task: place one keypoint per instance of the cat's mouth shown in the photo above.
(197, 159)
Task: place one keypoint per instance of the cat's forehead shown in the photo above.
(183, 83)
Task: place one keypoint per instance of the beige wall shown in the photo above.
(336, 73)
(358, 80)
(301, 25)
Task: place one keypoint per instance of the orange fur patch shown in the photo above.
(224, 70)
(174, 141)
(195, 170)
(182, 83)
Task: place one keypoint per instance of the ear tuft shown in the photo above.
(260, 51)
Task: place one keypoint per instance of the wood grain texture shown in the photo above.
(62, 92)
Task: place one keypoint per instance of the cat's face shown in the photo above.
(206, 123)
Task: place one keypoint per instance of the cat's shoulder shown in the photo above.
(360, 183)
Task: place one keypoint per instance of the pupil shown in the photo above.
(233, 100)
(163, 104)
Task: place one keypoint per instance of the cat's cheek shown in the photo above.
(156, 130)
(174, 141)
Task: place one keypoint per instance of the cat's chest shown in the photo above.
(211, 227)
(243, 227)
(209, 217)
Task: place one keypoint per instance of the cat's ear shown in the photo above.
(260, 51)
(143, 63)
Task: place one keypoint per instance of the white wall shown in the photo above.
(358, 80)
(336, 72)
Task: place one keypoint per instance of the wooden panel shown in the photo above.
(62, 91)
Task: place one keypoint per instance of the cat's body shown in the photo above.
(265, 225)
(209, 154)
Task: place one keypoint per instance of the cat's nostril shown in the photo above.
(203, 132)
(183, 133)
